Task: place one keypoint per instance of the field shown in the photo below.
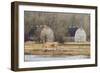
(57, 49)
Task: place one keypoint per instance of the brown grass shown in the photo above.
(54, 48)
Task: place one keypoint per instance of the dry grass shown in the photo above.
(54, 48)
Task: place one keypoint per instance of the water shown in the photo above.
(51, 58)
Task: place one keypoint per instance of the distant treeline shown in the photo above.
(58, 22)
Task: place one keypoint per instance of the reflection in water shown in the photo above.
(51, 58)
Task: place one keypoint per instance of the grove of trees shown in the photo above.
(58, 22)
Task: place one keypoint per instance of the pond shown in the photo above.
(51, 58)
